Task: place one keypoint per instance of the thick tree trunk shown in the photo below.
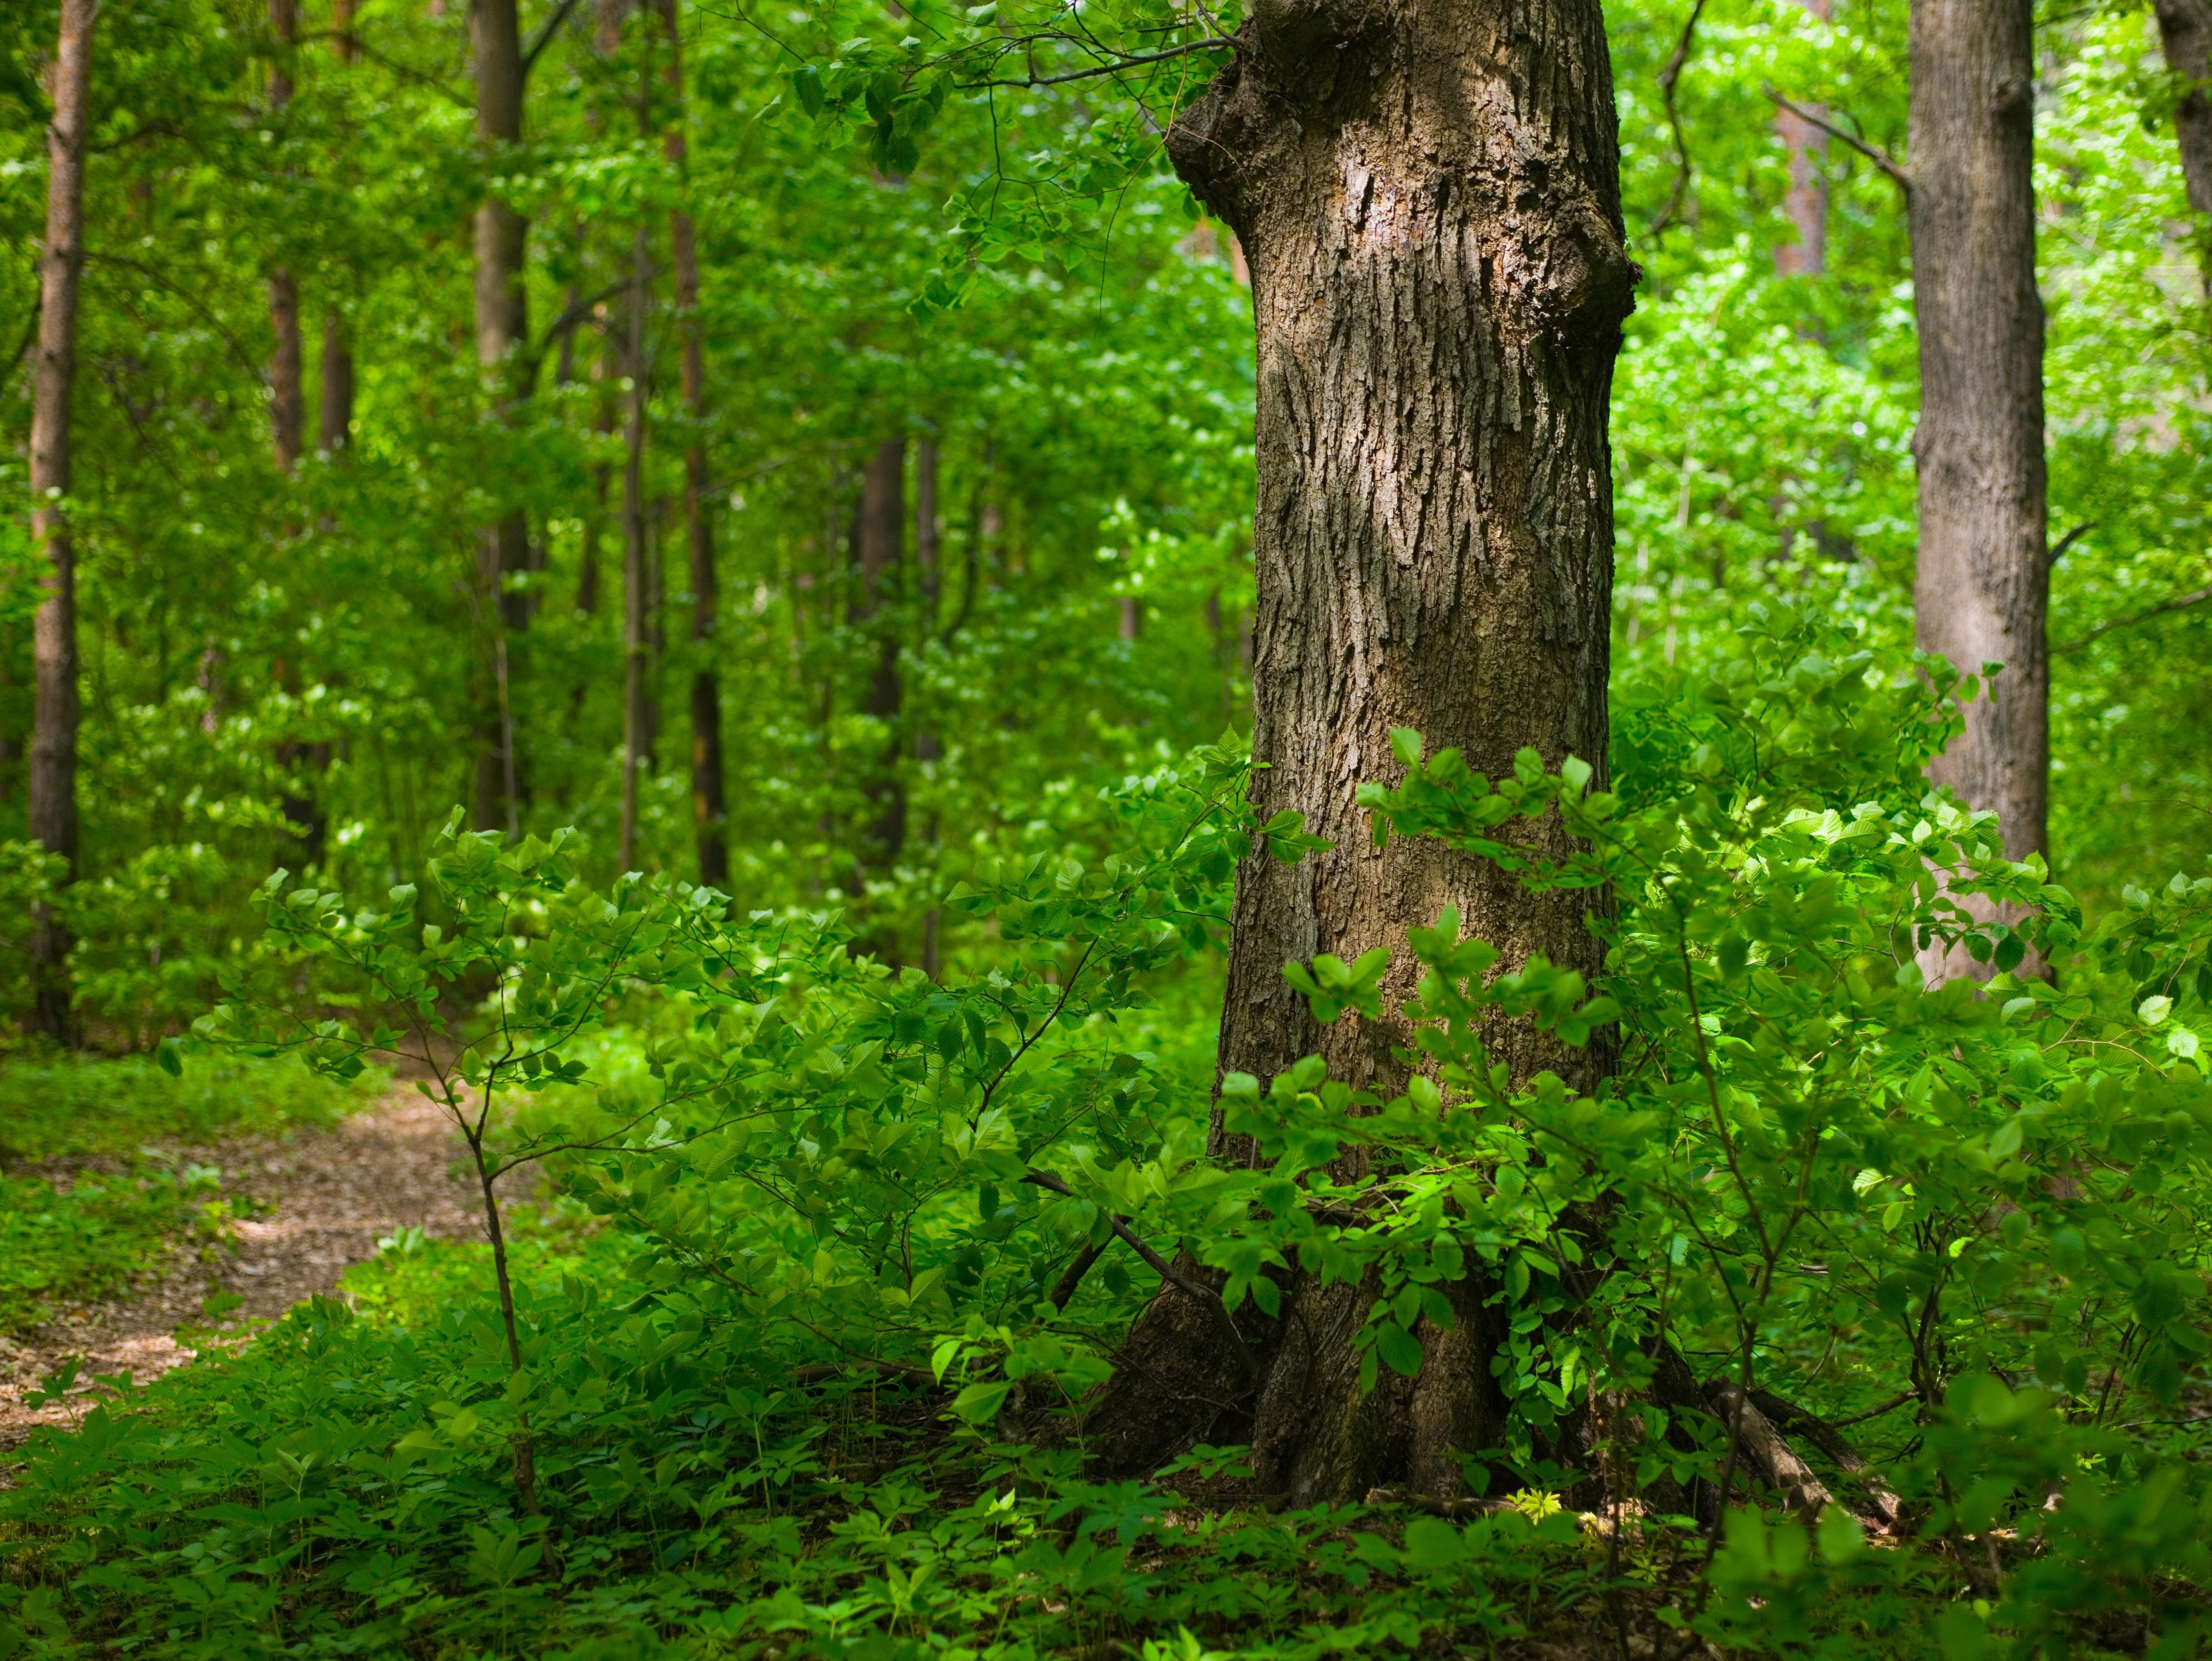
(53, 822)
(1984, 574)
(2184, 29)
(1429, 194)
(880, 535)
(1806, 203)
(503, 334)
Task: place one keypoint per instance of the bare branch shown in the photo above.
(2164, 608)
(1114, 68)
(1880, 158)
(1668, 78)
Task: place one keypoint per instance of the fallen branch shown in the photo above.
(1769, 1454)
(1882, 1505)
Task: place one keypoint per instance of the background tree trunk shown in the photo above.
(710, 809)
(1806, 203)
(1429, 194)
(637, 715)
(287, 405)
(929, 578)
(343, 43)
(334, 427)
(54, 823)
(502, 332)
(881, 535)
(1983, 579)
(2184, 29)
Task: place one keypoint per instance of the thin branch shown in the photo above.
(1668, 77)
(2066, 542)
(2180, 602)
(545, 34)
(1889, 1406)
(1880, 158)
(1114, 68)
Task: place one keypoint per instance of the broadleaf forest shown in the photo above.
(1200, 831)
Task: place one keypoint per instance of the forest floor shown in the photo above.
(320, 1200)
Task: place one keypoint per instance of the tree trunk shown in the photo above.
(1428, 192)
(709, 811)
(1984, 574)
(343, 42)
(1805, 204)
(53, 822)
(334, 428)
(287, 405)
(881, 533)
(637, 735)
(503, 334)
(929, 584)
(2184, 29)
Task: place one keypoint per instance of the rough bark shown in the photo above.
(709, 811)
(2184, 29)
(1984, 576)
(1428, 192)
(502, 331)
(1805, 202)
(53, 819)
(880, 534)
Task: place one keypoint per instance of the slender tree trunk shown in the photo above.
(54, 823)
(1428, 192)
(344, 44)
(287, 404)
(2184, 29)
(1805, 204)
(881, 532)
(503, 334)
(1984, 576)
(334, 427)
(929, 580)
(708, 808)
(637, 736)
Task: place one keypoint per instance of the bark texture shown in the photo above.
(1428, 192)
(2184, 29)
(53, 821)
(1983, 581)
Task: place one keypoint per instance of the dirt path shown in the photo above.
(332, 1195)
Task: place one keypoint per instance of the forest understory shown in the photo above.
(1126, 831)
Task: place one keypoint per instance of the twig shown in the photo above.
(1114, 68)
(2180, 602)
(1889, 1406)
(545, 34)
(1880, 158)
(1668, 77)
